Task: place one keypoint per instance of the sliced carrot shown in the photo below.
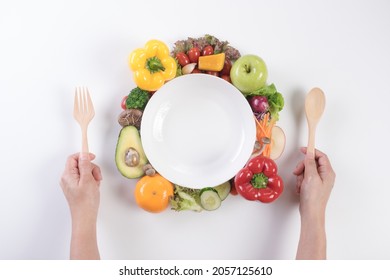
(260, 130)
(264, 129)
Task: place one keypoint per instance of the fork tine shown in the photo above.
(83, 105)
(90, 104)
(86, 100)
(76, 108)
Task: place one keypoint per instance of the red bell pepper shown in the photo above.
(259, 180)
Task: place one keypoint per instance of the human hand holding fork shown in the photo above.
(80, 183)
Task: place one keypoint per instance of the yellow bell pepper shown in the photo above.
(152, 65)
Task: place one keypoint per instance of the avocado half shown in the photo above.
(129, 140)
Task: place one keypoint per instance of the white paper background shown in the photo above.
(49, 47)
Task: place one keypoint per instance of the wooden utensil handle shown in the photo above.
(311, 140)
(84, 141)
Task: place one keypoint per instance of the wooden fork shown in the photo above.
(83, 112)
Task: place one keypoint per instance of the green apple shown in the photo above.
(249, 73)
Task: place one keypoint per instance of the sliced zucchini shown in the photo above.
(223, 190)
(209, 199)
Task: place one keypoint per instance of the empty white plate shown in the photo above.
(198, 131)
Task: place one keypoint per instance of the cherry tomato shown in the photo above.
(182, 58)
(227, 66)
(213, 73)
(193, 54)
(226, 78)
(123, 103)
(208, 50)
(233, 190)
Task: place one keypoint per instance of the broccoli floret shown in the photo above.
(137, 99)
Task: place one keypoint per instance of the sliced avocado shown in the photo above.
(129, 155)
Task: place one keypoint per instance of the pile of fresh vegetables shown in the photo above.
(152, 66)
(206, 55)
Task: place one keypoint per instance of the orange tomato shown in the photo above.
(152, 193)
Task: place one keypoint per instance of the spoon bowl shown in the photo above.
(314, 108)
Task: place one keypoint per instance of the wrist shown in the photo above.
(311, 213)
(313, 220)
(84, 212)
(84, 226)
(83, 220)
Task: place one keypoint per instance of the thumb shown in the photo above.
(85, 166)
(310, 164)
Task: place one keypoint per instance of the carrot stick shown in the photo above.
(260, 127)
(264, 129)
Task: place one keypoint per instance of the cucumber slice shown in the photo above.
(223, 190)
(209, 199)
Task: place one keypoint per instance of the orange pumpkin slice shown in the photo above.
(212, 62)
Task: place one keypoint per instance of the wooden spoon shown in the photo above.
(314, 107)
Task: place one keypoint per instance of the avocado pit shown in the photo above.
(132, 157)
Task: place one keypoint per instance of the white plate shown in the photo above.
(198, 131)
